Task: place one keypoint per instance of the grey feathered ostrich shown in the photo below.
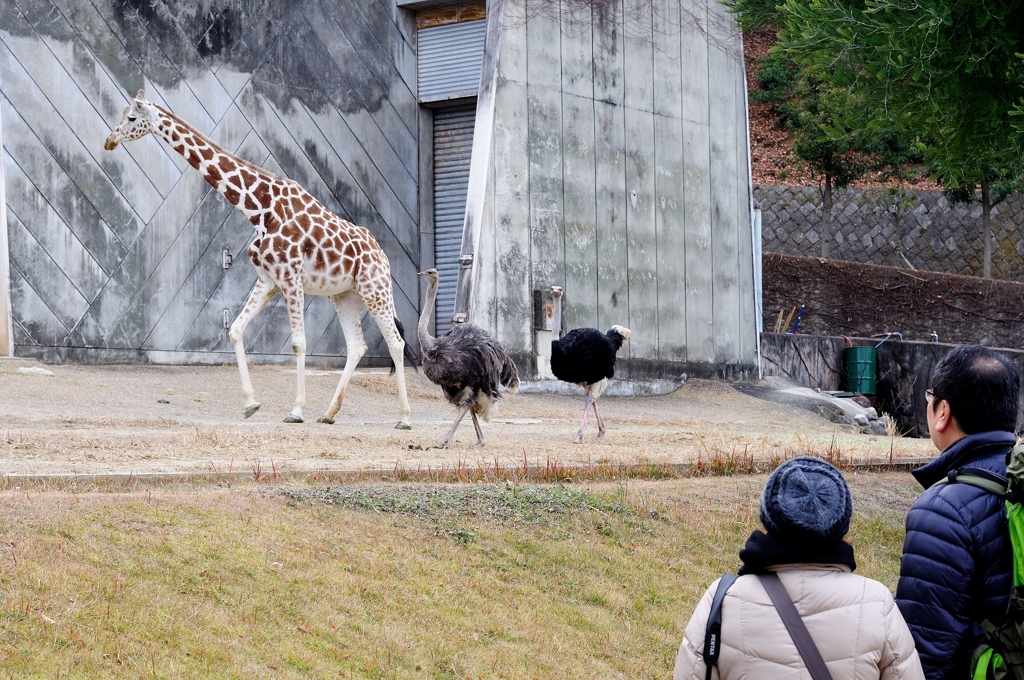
(467, 363)
(586, 357)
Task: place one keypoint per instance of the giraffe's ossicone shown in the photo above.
(301, 248)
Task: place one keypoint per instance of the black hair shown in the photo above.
(981, 386)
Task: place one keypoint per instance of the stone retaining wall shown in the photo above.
(890, 227)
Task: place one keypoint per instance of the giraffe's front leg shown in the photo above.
(258, 299)
(295, 297)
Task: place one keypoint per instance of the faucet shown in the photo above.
(889, 335)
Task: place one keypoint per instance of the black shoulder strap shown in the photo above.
(795, 625)
(713, 633)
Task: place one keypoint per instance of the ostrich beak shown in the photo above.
(423, 274)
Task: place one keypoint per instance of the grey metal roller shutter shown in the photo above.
(453, 148)
(449, 59)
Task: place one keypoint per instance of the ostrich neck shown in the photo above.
(423, 329)
(556, 323)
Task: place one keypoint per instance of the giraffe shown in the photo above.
(301, 248)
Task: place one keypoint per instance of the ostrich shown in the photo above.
(466, 362)
(585, 356)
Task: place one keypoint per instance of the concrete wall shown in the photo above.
(118, 256)
(879, 226)
(619, 170)
(904, 370)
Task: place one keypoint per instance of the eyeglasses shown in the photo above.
(928, 396)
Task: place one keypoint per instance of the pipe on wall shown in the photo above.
(6, 323)
(480, 165)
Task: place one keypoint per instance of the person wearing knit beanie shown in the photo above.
(806, 499)
(806, 508)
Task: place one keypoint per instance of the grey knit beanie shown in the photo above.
(806, 499)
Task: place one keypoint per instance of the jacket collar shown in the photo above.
(811, 566)
(763, 551)
(963, 451)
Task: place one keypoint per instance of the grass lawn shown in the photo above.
(383, 581)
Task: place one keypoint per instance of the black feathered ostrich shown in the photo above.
(467, 363)
(586, 357)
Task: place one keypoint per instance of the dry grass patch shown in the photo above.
(382, 581)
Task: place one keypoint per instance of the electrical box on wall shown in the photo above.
(543, 310)
(543, 317)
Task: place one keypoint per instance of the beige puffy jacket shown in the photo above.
(853, 620)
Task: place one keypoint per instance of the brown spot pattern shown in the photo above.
(294, 229)
(262, 194)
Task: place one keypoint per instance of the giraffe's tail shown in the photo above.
(408, 352)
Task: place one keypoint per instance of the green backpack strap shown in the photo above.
(981, 478)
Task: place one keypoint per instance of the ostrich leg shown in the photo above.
(586, 408)
(600, 421)
(448, 437)
(479, 433)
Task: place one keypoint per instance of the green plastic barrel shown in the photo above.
(861, 368)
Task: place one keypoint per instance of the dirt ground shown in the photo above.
(110, 419)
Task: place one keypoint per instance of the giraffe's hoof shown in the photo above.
(252, 408)
(478, 445)
(325, 420)
(403, 426)
(600, 435)
(293, 419)
(578, 439)
(441, 445)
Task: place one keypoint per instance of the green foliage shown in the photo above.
(829, 134)
(776, 75)
(1001, 182)
(817, 115)
(946, 72)
(754, 13)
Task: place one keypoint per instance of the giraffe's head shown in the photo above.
(138, 120)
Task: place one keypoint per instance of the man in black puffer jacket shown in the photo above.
(956, 569)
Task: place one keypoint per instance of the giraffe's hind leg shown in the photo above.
(261, 294)
(295, 299)
(382, 308)
(350, 309)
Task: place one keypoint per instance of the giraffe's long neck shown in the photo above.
(246, 186)
(423, 330)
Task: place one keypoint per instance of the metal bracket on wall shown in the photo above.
(226, 259)
(227, 318)
(460, 317)
(465, 261)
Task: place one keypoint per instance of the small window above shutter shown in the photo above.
(449, 60)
